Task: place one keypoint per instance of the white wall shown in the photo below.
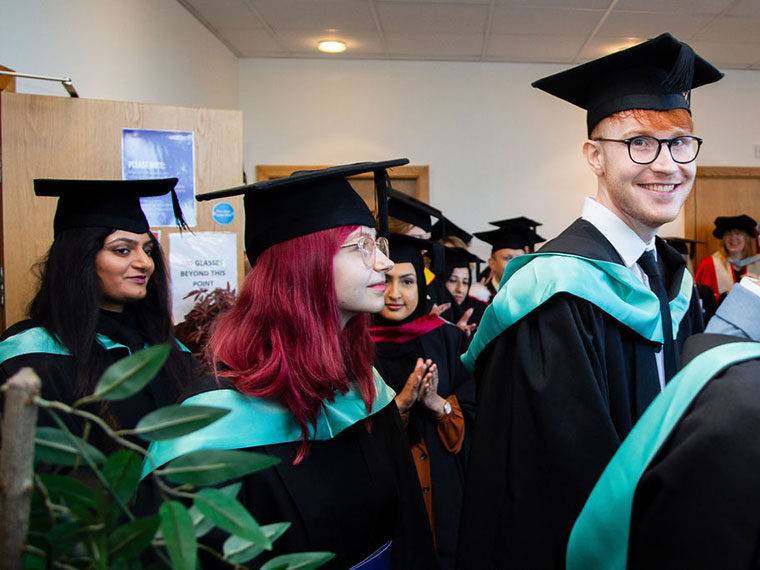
(496, 147)
(147, 51)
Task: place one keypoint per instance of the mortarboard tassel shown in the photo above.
(178, 217)
(681, 75)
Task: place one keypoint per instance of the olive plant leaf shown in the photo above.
(129, 540)
(173, 421)
(129, 375)
(122, 471)
(239, 550)
(228, 514)
(202, 524)
(213, 466)
(299, 561)
(68, 491)
(53, 445)
(179, 536)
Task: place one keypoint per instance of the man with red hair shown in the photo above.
(584, 334)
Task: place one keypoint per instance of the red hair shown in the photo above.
(283, 338)
(659, 120)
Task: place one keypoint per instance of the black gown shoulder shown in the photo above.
(350, 495)
(695, 505)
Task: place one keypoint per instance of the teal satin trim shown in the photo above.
(531, 280)
(599, 539)
(37, 340)
(31, 341)
(253, 422)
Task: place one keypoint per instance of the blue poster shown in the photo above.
(161, 154)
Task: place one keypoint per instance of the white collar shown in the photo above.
(626, 242)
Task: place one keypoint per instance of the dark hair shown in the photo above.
(67, 304)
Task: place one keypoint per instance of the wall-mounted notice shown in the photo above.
(203, 260)
(147, 154)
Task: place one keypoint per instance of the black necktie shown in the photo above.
(649, 265)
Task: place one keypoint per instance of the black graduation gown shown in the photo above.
(696, 504)
(443, 346)
(350, 495)
(57, 372)
(557, 393)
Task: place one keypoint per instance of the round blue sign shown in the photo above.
(223, 213)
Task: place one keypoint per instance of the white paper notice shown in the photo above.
(203, 260)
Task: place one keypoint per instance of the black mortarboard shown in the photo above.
(451, 230)
(658, 74)
(410, 210)
(105, 203)
(407, 249)
(742, 222)
(458, 257)
(513, 233)
(306, 202)
(684, 246)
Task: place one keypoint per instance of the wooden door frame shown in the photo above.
(421, 174)
(689, 207)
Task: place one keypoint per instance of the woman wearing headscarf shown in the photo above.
(736, 256)
(292, 360)
(418, 355)
(103, 294)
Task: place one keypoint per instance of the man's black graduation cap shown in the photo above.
(513, 233)
(658, 74)
(105, 203)
(410, 210)
(742, 222)
(684, 246)
(451, 230)
(306, 202)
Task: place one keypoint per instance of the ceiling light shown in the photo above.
(332, 46)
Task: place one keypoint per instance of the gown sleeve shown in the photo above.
(544, 432)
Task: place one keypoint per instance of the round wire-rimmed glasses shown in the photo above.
(368, 247)
(644, 149)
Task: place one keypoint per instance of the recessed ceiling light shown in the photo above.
(332, 46)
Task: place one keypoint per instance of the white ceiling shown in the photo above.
(725, 32)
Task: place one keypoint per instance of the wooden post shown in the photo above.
(17, 465)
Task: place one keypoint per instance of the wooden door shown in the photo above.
(59, 137)
(719, 191)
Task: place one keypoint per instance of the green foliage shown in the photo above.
(173, 421)
(53, 445)
(129, 375)
(215, 466)
(81, 515)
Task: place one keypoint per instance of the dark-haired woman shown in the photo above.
(418, 356)
(293, 363)
(103, 294)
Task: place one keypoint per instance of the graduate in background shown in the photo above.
(513, 238)
(583, 335)
(293, 361)
(418, 356)
(103, 294)
(736, 256)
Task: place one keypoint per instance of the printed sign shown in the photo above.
(203, 260)
(223, 213)
(147, 154)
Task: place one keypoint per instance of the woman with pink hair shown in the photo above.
(293, 361)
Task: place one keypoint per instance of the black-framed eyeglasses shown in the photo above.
(368, 248)
(645, 149)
